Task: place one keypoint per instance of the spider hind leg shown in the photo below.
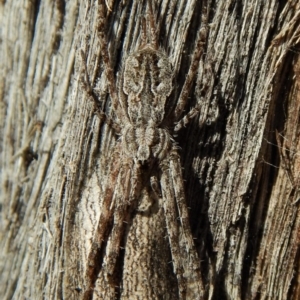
(127, 192)
(102, 229)
(172, 227)
(192, 269)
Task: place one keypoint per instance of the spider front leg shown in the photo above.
(183, 97)
(87, 87)
(117, 105)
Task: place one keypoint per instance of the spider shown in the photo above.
(139, 99)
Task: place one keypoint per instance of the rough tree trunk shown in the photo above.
(242, 184)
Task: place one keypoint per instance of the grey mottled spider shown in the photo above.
(139, 107)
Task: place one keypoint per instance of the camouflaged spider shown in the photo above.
(139, 108)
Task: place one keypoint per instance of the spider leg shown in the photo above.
(87, 87)
(118, 106)
(106, 215)
(172, 226)
(153, 29)
(127, 194)
(187, 118)
(143, 33)
(177, 182)
(108, 5)
(155, 187)
(183, 97)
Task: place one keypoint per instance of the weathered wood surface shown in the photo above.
(241, 184)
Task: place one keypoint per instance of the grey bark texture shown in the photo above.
(242, 183)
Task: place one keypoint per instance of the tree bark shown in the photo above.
(240, 156)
